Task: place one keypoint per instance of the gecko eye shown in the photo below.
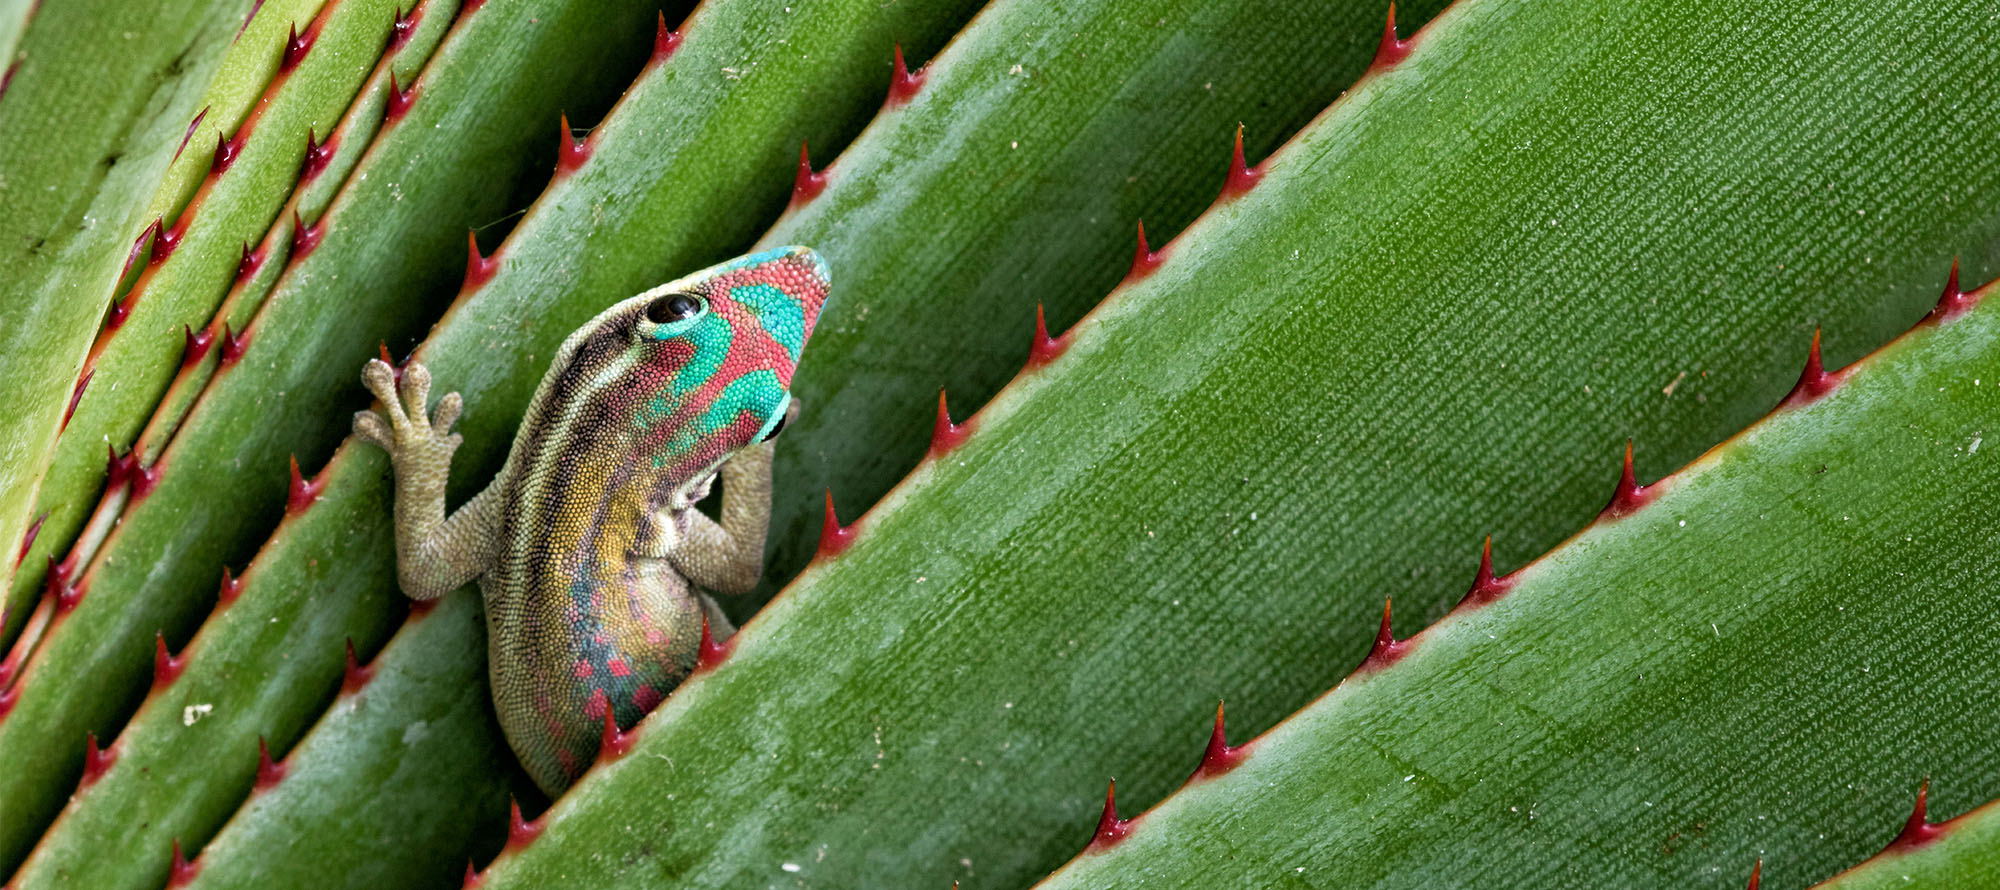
(672, 308)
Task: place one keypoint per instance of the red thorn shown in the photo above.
(318, 155)
(166, 667)
(903, 85)
(406, 24)
(478, 269)
(68, 596)
(807, 185)
(946, 435)
(144, 478)
(303, 492)
(8, 697)
(7, 78)
(75, 396)
(28, 541)
(1387, 649)
(247, 267)
(118, 469)
(1110, 828)
(1044, 348)
(833, 537)
(614, 744)
(1953, 302)
(120, 311)
(1390, 50)
(1144, 259)
(182, 872)
(226, 149)
(269, 772)
(1219, 758)
(664, 41)
(297, 46)
(192, 126)
(232, 587)
(1756, 874)
(168, 239)
(1917, 832)
(195, 346)
(357, 674)
(399, 100)
(471, 875)
(520, 832)
(1814, 381)
(233, 344)
(1241, 175)
(305, 237)
(8, 664)
(58, 574)
(711, 653)
(254, 7)
(470, 6)
(572, 154)
(1630, 495)
(138, 244)
(95, 760)
(1485, 587)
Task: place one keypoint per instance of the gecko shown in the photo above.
(594, 565)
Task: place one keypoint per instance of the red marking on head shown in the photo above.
(28, 541)
(617, 668)
(1486, 587)
(95, 760)
(1917, 831)
(232, 587)
(646, 697)
(572, 154)
(471, 875)
(1219, 757)
(8, 697)
(520, 832)
(247, 266)
(1242, 176)
(903, 84)
(195, 346)
(75, 396)
(399, 100)
(269, 772)
(1044, 348)
(946, 435)
(711, 653)
(226, 149)
(1144, 260)
(1629, 496)
(833, 537)
(613, 744)
(478, 269)
(1387, 649)
(192, 125)
(138, 244)
(664, 41)
(233, 344)
(355, 675)
(1814, 381)
(318, 155)
(302, 493)
(1756, 874)
(166, 667)
(1953, 302)
(305, 237)
(297, 45)
(181, 872)
(1110, 828)
(807, 184)
(1390, 50)
(406, 25)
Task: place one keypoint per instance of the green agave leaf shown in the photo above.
(1638, 706)
(76, 187)
(397, 776)
(1064, 594)
(141, 349)
(390, 246)
(1964, 852)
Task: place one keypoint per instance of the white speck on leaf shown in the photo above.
(191, 713)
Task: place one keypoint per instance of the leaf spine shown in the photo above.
(520, 832)
(1917, 830)
(1044, 348)
(1110, 828)
(1953, 302)
(1387, 650)
(572, 153)
(1219, 757)
(269, 772)
(181, 872)
(1144, 259)
(807, 184)
(195, 346)
(946, 435)
(303, 492)
(903, 84)
(1486, 587)
(664, 41)
(1391, 50)
(95, 760)
(1242, 176)
(478, 269)
(1629, 495)
(166, 666)
(27, 542)
(354, 674)
(833, 537)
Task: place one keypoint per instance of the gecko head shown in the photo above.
(707, 361)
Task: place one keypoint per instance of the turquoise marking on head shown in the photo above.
(778, 312)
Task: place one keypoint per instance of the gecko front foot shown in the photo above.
(420, 445)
